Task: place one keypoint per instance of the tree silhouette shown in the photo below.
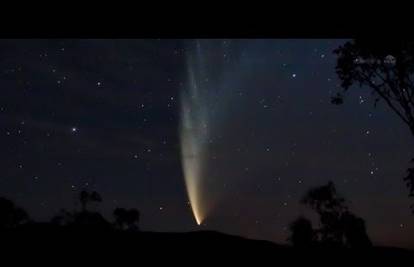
(126, 219)
(85, 217)
(409, 179)
(302, 233)
(11, 216)
(384, 66)
(338, 226)
(89, 218)
(355, 232)
(329, 206)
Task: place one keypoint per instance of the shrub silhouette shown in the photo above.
(11, 216)
(64, 217)
(89, 219)
(126, 219)
(86, 197)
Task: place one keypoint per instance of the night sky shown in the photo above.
(104, 115)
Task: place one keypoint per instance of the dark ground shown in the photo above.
(46, 244)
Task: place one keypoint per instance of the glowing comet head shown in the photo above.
(197, 219)
(191, 168)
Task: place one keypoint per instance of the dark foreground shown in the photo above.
(62, 246)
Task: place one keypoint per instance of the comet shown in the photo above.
(194, 132)
(193, 137)
(201, 101)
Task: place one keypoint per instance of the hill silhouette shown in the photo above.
(99, 246)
